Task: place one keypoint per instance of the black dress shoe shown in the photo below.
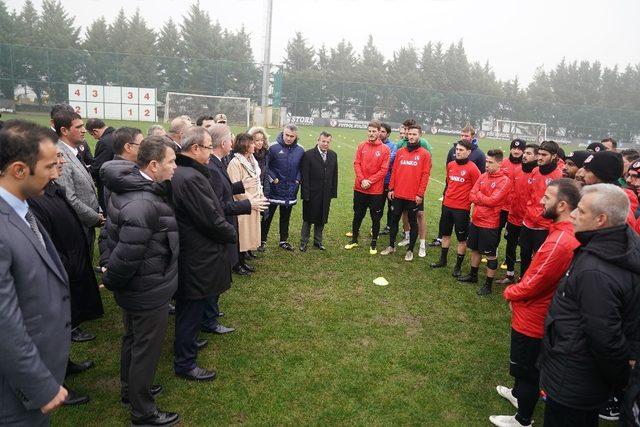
(200, 344)
(438, 264)
(484, 290)
(219, 329)
(319, 246)
(198, 374)
(251, 255)
(221, 314)
(249, 268)
(74, 398)
(468, 278)
(159, 418)
(172, 309)
(155, 390)
(241, 271)
(262, 247)
(78, 335)
(303, 247)
(76, 368)
(286, 246)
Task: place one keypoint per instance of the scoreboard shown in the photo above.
(113, 102)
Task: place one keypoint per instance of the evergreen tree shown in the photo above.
(299, 54)
(138, 67)
(171, 68)
(98, 66)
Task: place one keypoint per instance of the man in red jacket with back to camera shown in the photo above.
(487, 195)
(370, 165)
(409, 180)
(529, 300)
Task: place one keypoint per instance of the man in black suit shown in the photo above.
(319, 168)
(204, 268)
(35, 322)
(225, 190)
(104, 152)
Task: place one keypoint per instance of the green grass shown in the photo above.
(318, 344)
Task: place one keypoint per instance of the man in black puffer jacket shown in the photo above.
(142, 269)
(592, 329)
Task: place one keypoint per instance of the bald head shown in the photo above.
(179, 125)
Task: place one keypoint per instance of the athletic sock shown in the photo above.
(407, 235)
(443, 255)
(511, 273)
(423, 244)
(474, 271)
(374, 243)
(459, 260)
(488, 281)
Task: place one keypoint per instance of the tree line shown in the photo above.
(437, 84)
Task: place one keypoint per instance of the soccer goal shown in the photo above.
(193, 105)
(529, 131)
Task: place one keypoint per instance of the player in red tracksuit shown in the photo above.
(409, 179)
(462, 174)
(534, 227)
(520, 197)
(529, 300)
(487, 195)
(511, 166)
(370, 165)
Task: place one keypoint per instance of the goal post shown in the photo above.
(237, 110)
(526, 130)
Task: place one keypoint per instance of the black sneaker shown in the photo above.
(468, 278)
(439, 264)
(385, 231)
(456, 272)
(435, 243)
(610, 411)
(484, 290)
(286, 246)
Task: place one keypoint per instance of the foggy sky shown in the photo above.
(515, 36)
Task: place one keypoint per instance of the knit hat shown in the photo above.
(596, 146)
(517, 143)
(635, 166)
(578, 157)
(606, 165)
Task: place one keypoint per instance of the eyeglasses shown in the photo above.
(208, 147)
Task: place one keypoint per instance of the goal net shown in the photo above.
(529, 131)
(193, 105)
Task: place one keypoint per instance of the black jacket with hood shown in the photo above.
(142, 245)
(592, 328)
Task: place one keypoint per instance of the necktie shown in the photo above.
(33, 225)
(324, 156)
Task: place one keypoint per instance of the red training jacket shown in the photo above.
(460, 180)
(633, 205)
(487, 196)
(530, 298)
(520, 188)
(372, 163)
(510, 169)
(410, 173)
(538, 185)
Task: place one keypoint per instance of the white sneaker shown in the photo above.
(388, 250)
(506, 421)
(422, 252)
(507, 394)
(403, 242)
(409, 256)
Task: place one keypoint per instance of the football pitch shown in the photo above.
(317, 343)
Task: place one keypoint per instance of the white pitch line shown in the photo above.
(439, 182)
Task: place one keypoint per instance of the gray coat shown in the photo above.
(79, 187)
(35, 321)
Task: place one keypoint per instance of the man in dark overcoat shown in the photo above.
(319, 168)
(204, 267)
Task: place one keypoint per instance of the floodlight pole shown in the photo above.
(266, 61)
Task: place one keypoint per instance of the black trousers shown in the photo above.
(144, 333)
(530, 241)
(305, 233)
(189, 315)
(557, 415)
(511, 235)
(389, 213)
(285, 216)
(522, 367)
(362, 202)
(396, 207)
(212, 309)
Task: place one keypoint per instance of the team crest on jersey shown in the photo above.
(547, 181)
(377, 154)
(493, 185)
(417, 157)
(463, 172)
(530, 181)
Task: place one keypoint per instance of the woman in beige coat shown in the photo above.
(244, 165)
